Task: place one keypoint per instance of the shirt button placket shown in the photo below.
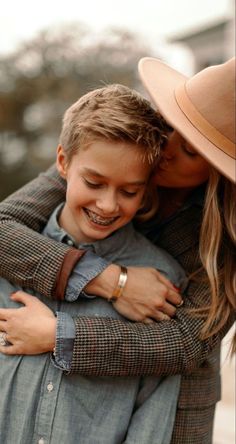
(70, 242)
(50, 387)
(47, 406)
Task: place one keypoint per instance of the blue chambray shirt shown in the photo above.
(40, 404)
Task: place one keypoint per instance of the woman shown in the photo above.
(189, 344)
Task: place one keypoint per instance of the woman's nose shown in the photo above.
(168, 156)
(168, 152)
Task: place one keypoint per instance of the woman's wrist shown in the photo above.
(103, 285)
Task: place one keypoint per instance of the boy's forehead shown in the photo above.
(106, 157)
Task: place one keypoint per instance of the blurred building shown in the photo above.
(210, 44)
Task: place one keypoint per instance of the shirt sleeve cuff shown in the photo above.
(88, 267)
(65, 336)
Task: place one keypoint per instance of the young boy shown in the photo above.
(108, 147)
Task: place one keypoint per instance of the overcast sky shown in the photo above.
(20, 20)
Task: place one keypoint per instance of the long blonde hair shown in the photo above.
(218, 256)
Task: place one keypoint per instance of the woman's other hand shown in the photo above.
(148, 296)
(30, 329)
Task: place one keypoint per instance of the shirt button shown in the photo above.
(41, 441)
(70, 242)
(49, 389)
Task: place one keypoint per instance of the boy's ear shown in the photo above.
(61, 162)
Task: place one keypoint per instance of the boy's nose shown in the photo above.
(108, 203)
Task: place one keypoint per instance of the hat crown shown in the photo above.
(212, 92)
(201, 108)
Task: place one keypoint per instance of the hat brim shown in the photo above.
(160, 80)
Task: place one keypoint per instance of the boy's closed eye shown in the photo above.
(96, 185)
(129, 193)
(91, 184)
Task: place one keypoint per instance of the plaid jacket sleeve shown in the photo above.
(114, 348)
(26, 257)
(109, 347)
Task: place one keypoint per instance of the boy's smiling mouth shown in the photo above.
(100, 220)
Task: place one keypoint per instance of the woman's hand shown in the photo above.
(30, 329)
(148, 296)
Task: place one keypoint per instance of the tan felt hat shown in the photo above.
(200, 108)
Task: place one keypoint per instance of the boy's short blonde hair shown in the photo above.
(117, 113)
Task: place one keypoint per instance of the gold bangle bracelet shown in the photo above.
(117, 293)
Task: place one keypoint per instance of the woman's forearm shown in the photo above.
(26, 257)
(32, 204)
(108, 347)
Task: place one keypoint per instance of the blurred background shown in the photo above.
(52, 53)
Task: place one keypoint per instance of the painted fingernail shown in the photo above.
(176, 288)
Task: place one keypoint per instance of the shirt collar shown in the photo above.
(53, 229)
(116, 239)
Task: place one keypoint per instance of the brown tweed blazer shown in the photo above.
(110, 347)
